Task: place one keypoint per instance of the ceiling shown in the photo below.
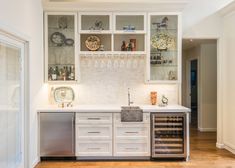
(123, 1)
(190, 43)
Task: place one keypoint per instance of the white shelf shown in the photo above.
(95, 32)
(112, 53)
(129, 32)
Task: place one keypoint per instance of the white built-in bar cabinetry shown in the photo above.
(103, 134)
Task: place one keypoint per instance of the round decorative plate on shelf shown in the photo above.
(93, 43)
(162, 41)
(57, 38)
(64, 95)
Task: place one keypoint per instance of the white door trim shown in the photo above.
(17, 41)
(220, 66)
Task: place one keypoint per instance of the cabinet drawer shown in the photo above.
(132, 131)
(140, 147)
(146, 119)
(93, 148)
(94, 131)
(93, 118)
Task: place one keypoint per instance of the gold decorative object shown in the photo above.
(93, 43)
(163, 41)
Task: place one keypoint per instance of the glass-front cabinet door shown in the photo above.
(60, 47)
(164, 48)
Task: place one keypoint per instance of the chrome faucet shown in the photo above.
(129, 98)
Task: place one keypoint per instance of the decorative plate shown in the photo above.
(58, 38)
(64, 95)
(69, 42)
(93, 43)
(162, 41)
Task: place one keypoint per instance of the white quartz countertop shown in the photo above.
(113, 108)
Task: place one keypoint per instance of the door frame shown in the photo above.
(220, 66)
(22, 42)
(188, 86)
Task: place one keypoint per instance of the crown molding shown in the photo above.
(115, 5)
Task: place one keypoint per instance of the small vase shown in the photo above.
(153, 96)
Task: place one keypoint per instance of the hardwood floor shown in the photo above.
(203, 154)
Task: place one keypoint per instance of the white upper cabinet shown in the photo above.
(164, 48)
(61, 58)
(154, 35)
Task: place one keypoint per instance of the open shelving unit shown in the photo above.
(112, 30)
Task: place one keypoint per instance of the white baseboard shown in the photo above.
(232, 150)
(227, 147)
(35, 162)
(207, 129)
(219, 145)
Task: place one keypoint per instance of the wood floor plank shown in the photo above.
(204, 154)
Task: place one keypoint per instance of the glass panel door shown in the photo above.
(11, 108)
(164, 47)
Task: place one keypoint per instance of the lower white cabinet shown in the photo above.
(131, 138)
(93, 148)
(103, 134)
(97, 131)
(94, 134)
(130, 147)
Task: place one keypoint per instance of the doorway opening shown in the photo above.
(194, 91)
(199, 82)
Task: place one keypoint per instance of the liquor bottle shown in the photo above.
(57, 72)
(123, 47)
(50, 72)
(69, 73)
(72, 74)
(54, 75)
(64, 73)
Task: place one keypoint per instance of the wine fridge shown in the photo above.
(169, 135)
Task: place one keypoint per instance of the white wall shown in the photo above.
(208, 87)
(24, 17)
(198, 10)
(189, 54)
(228, 107)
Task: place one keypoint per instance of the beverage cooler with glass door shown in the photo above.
(169, 135)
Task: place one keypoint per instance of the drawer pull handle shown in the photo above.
(93, 148)
(93, 132)
(131, 132)
(131, 148)
(93, 118)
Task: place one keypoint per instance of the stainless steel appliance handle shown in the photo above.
(73, 133)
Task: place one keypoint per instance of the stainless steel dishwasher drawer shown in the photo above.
(57, 134)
